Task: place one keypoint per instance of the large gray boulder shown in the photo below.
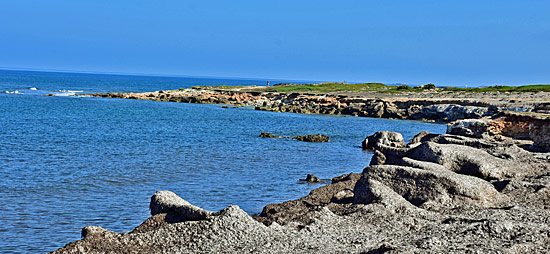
(383, 138)
(453, 112)
(469, 127)
(467, 160)
(426, 188)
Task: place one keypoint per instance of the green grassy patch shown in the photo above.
(329, 87)
(377, 87)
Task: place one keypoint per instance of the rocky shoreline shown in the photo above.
(426, 106)
(478, 190)
(484, 187)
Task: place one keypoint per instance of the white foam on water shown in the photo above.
(33, 88)
(67, 93)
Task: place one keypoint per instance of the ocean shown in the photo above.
(67, 162)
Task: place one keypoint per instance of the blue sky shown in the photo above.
(414, 42)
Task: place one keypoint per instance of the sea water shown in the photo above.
(67, 162)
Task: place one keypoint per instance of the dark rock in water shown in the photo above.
(310, 178)
(268, 135)
(386, 138)
(313, 138)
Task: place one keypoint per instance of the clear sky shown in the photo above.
(415, 42)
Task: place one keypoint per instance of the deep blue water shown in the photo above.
(68, 162)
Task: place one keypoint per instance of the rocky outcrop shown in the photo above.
(384, 138)
(169, 203)
(438, 194)
(317, 138)
(525, 126)
(427, 188)
(539, 132)
(311, 178)
(268, 135)
(426, 107)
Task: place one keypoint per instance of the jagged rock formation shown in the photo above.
(438, 194)
(527, 126)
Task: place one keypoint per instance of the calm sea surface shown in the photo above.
(68, 162)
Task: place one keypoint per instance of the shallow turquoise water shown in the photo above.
(68, 162)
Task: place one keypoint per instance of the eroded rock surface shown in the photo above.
(384, 138)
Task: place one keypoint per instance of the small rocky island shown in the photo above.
(483, 187)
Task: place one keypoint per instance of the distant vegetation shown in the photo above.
(379, 87)
(329, 87)
(343, 87)
(529, 88)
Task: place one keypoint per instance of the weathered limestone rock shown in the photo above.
(465, 160)
(375, 109)
(509, 124)
(169, 202)
(386, 138)
(422, 136)
(469, 127)
(453, 112)
(539, 132)
(369, 191)
(427, 188)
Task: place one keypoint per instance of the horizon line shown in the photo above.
(146, 74)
